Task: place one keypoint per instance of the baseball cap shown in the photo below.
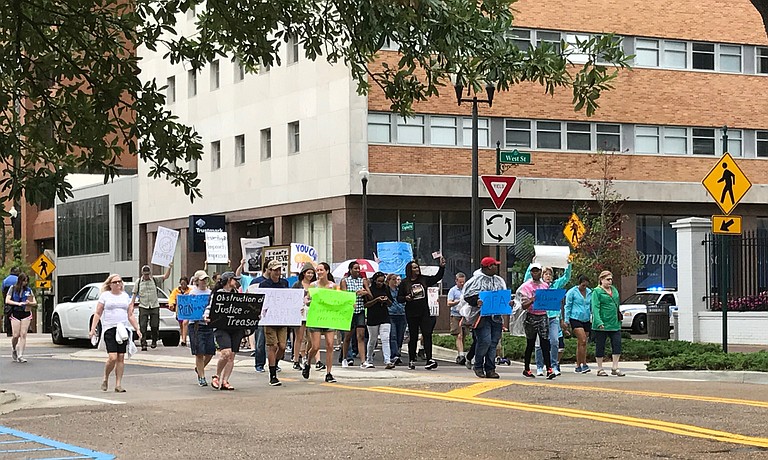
(146, 269)
(488, 261)
(201, 275)
(273, 264)
(535, 266)
(226, 276)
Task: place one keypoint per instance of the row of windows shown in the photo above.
(442, 130)
(294, 145)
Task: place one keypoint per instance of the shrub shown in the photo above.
(714, 361)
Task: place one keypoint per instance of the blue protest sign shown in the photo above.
(549, 299)
(394, 256)
(191, 307)
(495, 302)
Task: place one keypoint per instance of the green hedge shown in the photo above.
(632, 350)
(715, 361)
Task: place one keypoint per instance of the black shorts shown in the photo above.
(576, 324)
(111, 343)
(20, 314)
(358, 321)
(228, 338)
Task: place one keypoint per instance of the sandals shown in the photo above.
(215, 382)
(119, 389)
(602, 373)
(104, 385)
(226, 386)
(617, 373)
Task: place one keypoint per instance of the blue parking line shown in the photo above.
(50, 445)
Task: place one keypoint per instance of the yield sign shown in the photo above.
(498, 188)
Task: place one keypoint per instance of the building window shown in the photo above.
(82, 227)
(656, 243)
(294, 143)
(192, 83)
(193, 166)
(521, 38)
(124, 231)
(315, 230)
(483, 132)
(762, 60)
(574, 51)
(608, 137)
(379, 128)
(215, 77)
(410, 130)
(390, 45)
(762, 144)
(703, 141)
(170, 90)
(266, 144)
(647, 139)
(676, 141)
(442, 130)
(293, 49)
(191, 13)
(239, 70)
(646, 52)
(517, 133)
(675, 55)
(240, 149)
(215, 155)
(734, 142)
(704, 56)
(730, 58)
(578, 136)
(552, 38)
(548, 135)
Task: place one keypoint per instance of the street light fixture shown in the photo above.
(490, 90)
(364, 175)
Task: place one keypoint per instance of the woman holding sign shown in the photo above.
(606, 324)
(181, 289)
(413, 291)
(227, 340)
(201, 342)
(325, 281)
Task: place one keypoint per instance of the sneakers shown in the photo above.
(579, 370)
(366, 365)
(319, 366)
(557, 370)
(431, 365)
(398, 362)
(329, 378)
(461, 360)
(22, 359)
(297, 365)
(551, 374)
(274, 382)
(305, 371)
(154, 345)
(585, 368)
(468, 363)
(411, 365)
(201, 381)
(492, 375)
(389, 366)
(480, 373)
(539, 371)
(529, 374)
(14, 356)
(260, 369)
(345, 363)
(143, 348)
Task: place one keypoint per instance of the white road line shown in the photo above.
(86, 398)
(677, 379)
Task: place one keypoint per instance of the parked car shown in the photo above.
(71, 319)
(634, 309)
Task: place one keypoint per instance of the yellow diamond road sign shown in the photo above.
(726, 183)
(43, 266)
(726, 225)
(574, 230)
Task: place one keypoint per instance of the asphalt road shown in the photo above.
(396, 414)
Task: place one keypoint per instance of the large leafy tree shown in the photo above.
(71, 99)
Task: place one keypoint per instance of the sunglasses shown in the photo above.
(609, 279)
(116, 282)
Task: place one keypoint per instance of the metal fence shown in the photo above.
(739, 266)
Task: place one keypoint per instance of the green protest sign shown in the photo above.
(331, 309)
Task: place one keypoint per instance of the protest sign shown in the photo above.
(302, 254)
(191, 307)
(235, 310)
(549, 299)
(394, 256)
(331, 309)
(216, 248)
(278, 253)
(495, 302)
(552, 256)
(282, 307)
(165, 246)
(433, 299)
(252, 249)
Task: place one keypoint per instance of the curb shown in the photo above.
(7, 398)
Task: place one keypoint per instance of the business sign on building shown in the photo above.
(198, 225)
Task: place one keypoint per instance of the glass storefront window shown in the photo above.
(456, 234)
(657, 243)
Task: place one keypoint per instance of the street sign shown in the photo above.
(726, 225)
(514, 157)
(43, 284)
(498, 188)
(726, 183)
(574, 230)
(43, 266)
(406, 226)
(499, 227)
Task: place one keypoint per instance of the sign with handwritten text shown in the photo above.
(235, 310)
(282, 307)
(495, 302)
(191, 307)
(549, 299)
(331, 309)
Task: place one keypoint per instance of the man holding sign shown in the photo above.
(487, 294)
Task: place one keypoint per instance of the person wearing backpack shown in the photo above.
(9, 281)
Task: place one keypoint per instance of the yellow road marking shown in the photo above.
(740, 402)
(478, 388)
(658, 425)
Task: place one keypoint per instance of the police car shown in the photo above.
(634, 309)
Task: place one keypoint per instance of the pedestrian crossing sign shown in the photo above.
(726, 183)
(43, 266)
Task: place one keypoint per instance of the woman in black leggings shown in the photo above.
(413, 292)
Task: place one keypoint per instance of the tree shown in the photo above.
(71, 99)
(603, 247)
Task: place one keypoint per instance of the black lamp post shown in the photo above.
(475, 207)
(364, 175)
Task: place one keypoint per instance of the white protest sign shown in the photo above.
(165, 246)
(252, 248)
(552, 256)
(278, 253)
(433, 296)
(301, 254)
(282, 307)
(216, 248)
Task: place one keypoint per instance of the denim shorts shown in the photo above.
(201, 339)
